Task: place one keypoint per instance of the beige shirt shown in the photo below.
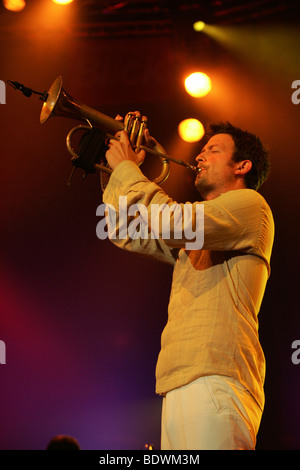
(217, 291)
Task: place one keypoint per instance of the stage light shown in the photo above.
(198, 84)
(14, 5)
(62, 2)
(191, 130)
(199, 26)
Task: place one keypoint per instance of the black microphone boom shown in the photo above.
(27, 91)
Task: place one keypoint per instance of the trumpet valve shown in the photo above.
(140, 135)
(134, 130)
(128, 122)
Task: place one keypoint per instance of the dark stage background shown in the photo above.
(81, 320)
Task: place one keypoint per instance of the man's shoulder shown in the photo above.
(246, 201)
(245, 194)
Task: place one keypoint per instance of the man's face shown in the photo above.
(218, 168)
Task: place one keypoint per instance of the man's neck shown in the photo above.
(218, 191)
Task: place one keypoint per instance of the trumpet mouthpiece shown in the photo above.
(197, 170)
(194, 168)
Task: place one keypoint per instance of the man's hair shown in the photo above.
(247, 147)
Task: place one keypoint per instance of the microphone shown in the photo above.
(27, 91)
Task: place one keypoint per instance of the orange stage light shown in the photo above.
(62, 2)
(14, 5)
(198, 84)
(191, 130)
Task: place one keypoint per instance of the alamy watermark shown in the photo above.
(296, 94)
(296, 354)
(176, 222)
(2, 352)
(2, 92)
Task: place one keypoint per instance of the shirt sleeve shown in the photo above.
(130, 190)
(236, 220)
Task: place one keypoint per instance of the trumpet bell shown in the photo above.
(53, 96)
(60, 103)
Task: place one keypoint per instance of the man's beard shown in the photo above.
(203, 186)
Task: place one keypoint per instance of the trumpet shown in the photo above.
(97, 129)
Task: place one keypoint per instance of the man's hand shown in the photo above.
(121, 149)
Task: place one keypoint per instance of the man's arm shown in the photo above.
(124, 206)
(237, 220)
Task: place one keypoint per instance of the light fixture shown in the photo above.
(191, 130)
(62, 2)
(14, 5)
(198, 84)
(198, 26)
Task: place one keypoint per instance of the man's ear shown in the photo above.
(243, 167)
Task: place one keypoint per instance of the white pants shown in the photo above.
(211, 413)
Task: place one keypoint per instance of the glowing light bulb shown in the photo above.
(14, 5)
(198, 84)
(191, 130)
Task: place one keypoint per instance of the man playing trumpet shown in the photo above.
(211, 367)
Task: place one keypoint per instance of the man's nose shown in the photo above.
(200, 158)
